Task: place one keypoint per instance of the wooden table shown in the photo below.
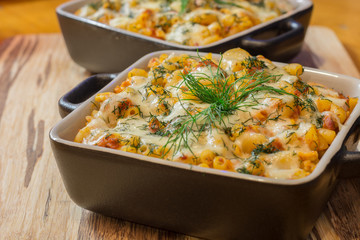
(35, 71)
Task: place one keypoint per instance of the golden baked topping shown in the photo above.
(187, 22)
(237, 113)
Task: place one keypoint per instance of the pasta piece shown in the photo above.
(239, 113)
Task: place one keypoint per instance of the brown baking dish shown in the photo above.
(101, 48)
(197, 201)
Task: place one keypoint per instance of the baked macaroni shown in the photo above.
(238, 113)
(187, 22)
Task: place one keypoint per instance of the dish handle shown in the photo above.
(349, 154)
(349, 159)
(278, 41)
(83, 91)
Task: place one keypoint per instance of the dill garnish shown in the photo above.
(263, 148)
(259, 3)
(224, 96)
(96, 5)
(184, 4)
(307, 104)
(95, 105)
(253, 62)
(227, 3)
(319, 121)
(304, 88)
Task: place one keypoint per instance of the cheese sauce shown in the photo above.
(193, 23)
(242, 114)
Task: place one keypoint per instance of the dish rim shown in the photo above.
(303, 5)
(325, 160)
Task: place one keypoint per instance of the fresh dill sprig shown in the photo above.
(96, 5)
(224, 96)
(263, 148)
(185, 3)
(252, 62)
(259, 3)
(227, 3)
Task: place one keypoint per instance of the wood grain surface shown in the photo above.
(35, 71)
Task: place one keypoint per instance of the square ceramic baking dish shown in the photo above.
(101, 48)
(202, 202)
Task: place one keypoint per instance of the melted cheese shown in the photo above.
(198, 23)
(276, 130)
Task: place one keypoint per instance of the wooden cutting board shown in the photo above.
(35, 71)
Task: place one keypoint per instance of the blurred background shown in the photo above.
(38, 16)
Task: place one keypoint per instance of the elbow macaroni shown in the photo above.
(199, 23)
(280, 128)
